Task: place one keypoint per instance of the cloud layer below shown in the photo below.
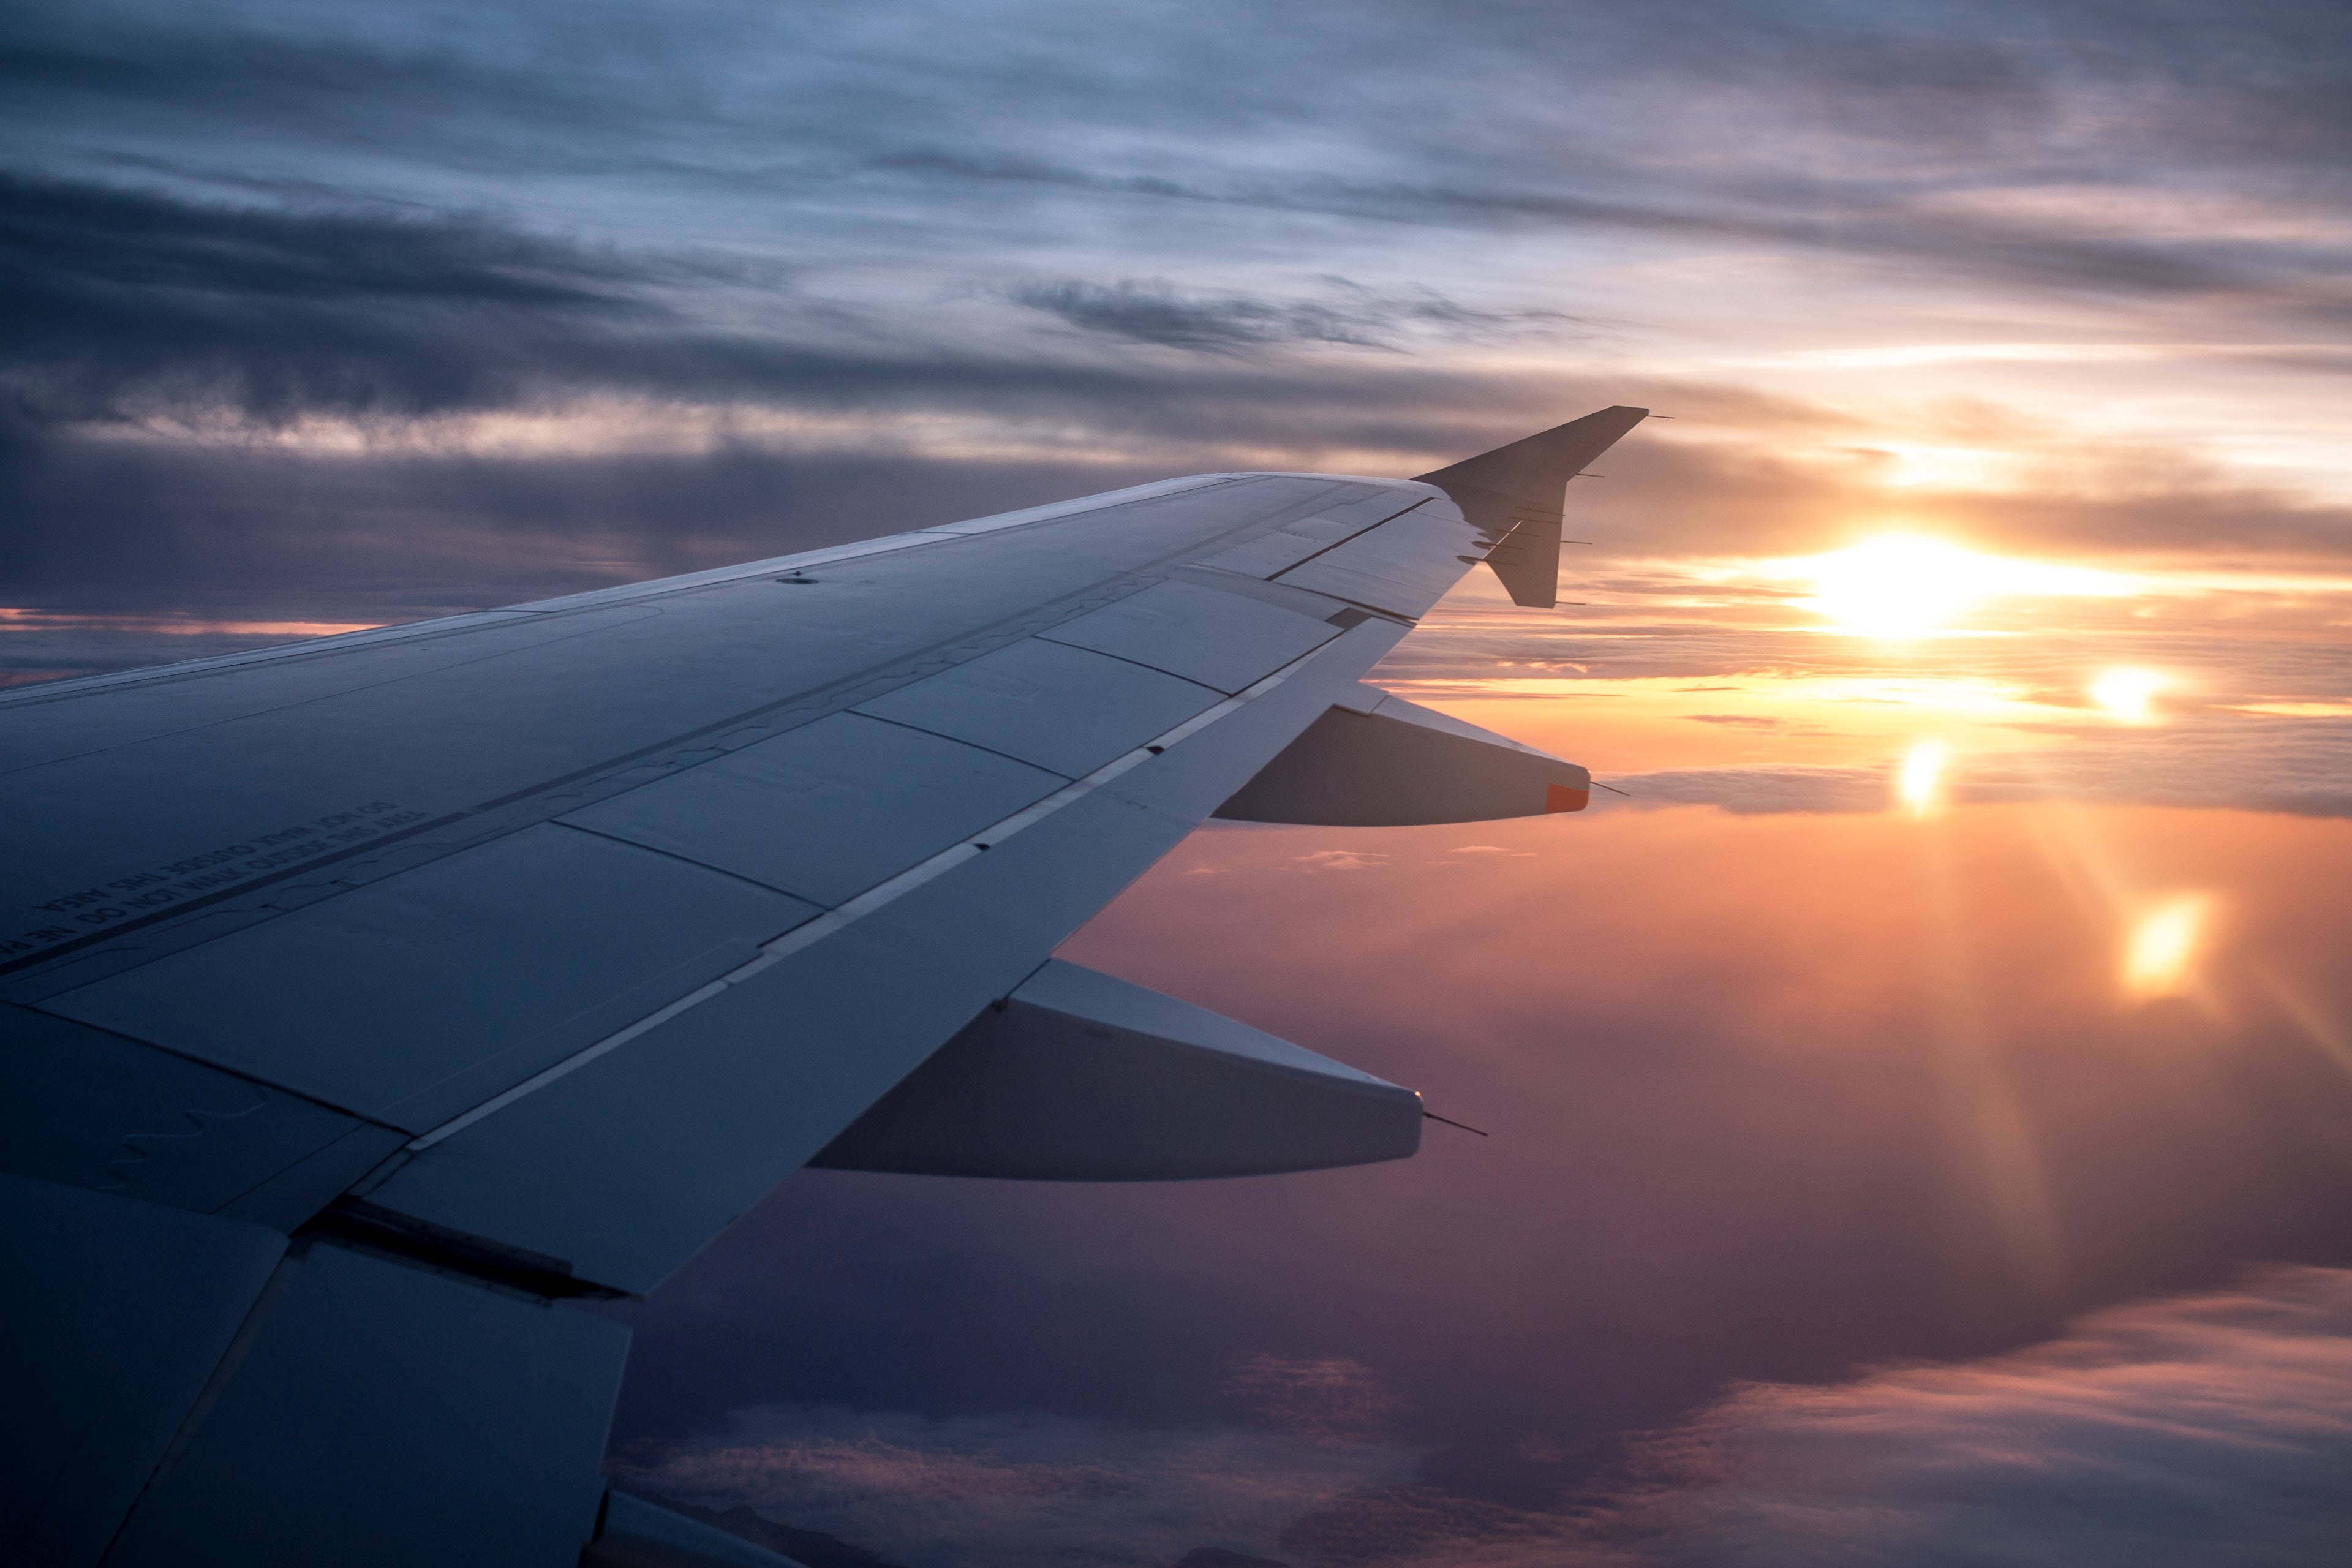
(2190, 1430)
(1016, 1491)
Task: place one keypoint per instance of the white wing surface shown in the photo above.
(369, 1002)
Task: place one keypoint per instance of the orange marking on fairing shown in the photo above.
(1561, 797)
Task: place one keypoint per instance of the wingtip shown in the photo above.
(1540, 460)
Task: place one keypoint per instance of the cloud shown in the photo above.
(133, 303)
(116, 292)
(1329, 1399)
(733, 235)
(2190, 1430)
(1749, 790)
(1340, 860)
(1862, 221)
(325, 328)
(1013, 1491)
(2197, 1430)
(228, 532)
(1153, 311)
(1789, 120)
(1408, 1525)
(2252, 763)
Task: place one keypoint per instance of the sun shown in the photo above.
(1896, 586)
(2125, 694)
(1901, 585)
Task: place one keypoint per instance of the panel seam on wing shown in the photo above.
(876, 898)
(1349, 539)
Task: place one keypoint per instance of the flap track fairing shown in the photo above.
(1377, 760)
(1078, 1076)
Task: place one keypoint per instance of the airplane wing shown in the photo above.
(369, 1004)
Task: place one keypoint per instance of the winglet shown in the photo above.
(1514, 494)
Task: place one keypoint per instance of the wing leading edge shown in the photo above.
(374, 1002)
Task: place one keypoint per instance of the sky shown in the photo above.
(1916, 1106)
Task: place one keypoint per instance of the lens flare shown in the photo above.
(2160, 958)
(1923, 770)
(2125, 694)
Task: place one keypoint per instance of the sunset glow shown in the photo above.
(2160, 957)
(1903, 1117)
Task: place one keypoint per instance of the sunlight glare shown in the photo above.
(1896, 586)
(2125, 694)
(2160, 956)
(1904, 586)
(1922, 770)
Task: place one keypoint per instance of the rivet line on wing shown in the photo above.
(811, 933)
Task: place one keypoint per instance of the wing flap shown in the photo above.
(826, 811)
(1284, 547)
(384, 1416)
(1403, 566)
(1044, 703)
(1220, 639)
(116, 1313)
